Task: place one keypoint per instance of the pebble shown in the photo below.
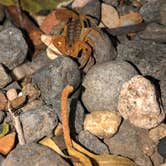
(155, 32)
(11, 94)
(127, 142)
(3, 101)
(162, 147)
(139, 104)
(32, 155)
(163, 14)
(103, 124)
(53, 78)
(13, 85)
(151, 10)
(92, 143)
(5, 78)
(103, 83)
(38, 123)
(13, 48)
(158, 132)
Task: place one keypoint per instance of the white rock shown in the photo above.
(139, 104)
(103, 124)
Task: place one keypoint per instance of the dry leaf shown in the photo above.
(5, 129)
(131, 18)
(7, 143)
(17, 102)
(52, 145)
(109, 16)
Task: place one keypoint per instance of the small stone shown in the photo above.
(158, 132)
(31, 91)
(4, 76)
(13, 85)
(138, 103)
(129, 142)
(92, 143)
(2, 116)
(38, 123)
(103, 124)
(162, 147)
(13, 48)
(163, 13)
(11, 94)
(3, 101)
(33, 155)
(154, 32)
(53, 78)
(103, 83)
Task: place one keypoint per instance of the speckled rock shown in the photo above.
(103, 124)
(103, 83)
(13, 48)
(163, 14)
(151, 10)
(130, 142)
(5, 78)
(139, 104)
(155, 32)
(53, 78)
(38, 123)
(158, 132)
(92, 143)
(33, 155)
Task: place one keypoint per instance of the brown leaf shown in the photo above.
(109, 16)
(7, 143)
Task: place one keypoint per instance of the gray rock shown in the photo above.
(149, 57)
(103, 83)
(52, 79)
(92, 143)
(1, 160)
(151, 10)
(12, 85)
(13, 48)
(2, 116)
(127, 142)
(154, 32)
(38, 123)
(163, 14)
(33, 155)
(5, 78)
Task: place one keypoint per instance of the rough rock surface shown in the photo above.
(2, 116)
(103, 124)
(92, 143)
(139, 104)
(33, 155)
(53, 78)
(130, 142)
(13, 48)
(103, 83)
(38, 123)
(1, 160)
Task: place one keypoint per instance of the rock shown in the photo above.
(127, 143)
(92, 143)
(154, 32)
(12, 85)
(33, 155)
(53, 78)
(151, 10)
(103, 124)
(3, 102)
(163, 14)
(13, 48)
(38, 123)
(103, 83)
(2, 116)
(162, 147)
(11, 94)
(1, 160)
(139, 104)
(158, 132)
(5, 78)
(31, 91)
(149, 58)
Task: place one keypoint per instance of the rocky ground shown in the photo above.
(118, 104)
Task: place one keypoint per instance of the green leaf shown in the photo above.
(5, 129)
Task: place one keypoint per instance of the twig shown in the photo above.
(17, 125)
